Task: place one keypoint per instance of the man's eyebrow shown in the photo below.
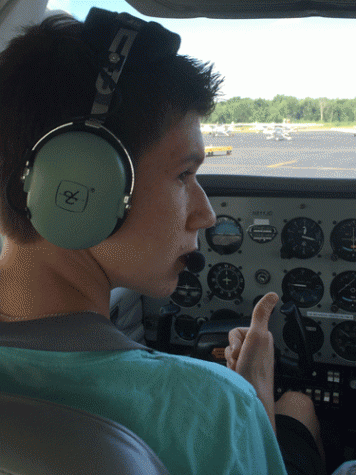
(195, 158)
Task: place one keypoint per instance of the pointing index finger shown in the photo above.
(262, 311)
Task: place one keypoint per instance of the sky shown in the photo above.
(301, 57)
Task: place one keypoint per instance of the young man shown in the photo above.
(198, 417)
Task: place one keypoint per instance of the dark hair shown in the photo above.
(47, 77)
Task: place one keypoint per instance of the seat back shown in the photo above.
(40, 438)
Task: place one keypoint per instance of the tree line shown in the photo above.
(238, 109)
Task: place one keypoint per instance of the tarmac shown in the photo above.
(312, 154)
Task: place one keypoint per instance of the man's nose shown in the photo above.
(203, 216)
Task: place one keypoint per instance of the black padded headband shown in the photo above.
(121, 40)
(153, 42)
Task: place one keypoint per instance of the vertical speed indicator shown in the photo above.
(226, 281)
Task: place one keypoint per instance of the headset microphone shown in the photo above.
(195, 262)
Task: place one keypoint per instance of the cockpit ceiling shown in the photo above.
(245, 8)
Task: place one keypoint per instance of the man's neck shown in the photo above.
(34, 284)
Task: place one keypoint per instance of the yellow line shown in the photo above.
(321, 168)
(281, 164)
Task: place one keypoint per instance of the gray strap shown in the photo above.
(85, 331)
(119, 51)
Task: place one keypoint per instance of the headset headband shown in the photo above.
(147, 42)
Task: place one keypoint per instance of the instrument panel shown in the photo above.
(294, 237)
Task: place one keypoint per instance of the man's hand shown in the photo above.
(251, 353)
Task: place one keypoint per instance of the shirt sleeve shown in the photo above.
(223, 424)
(347, 468)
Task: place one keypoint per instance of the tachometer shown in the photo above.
(226, 281)
(343, 240)
(302, 238)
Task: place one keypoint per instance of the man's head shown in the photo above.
(48, 77)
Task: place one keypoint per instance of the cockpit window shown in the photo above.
(289, 100)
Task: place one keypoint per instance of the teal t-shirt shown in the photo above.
(200, 418)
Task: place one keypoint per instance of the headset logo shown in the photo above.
(72, 196)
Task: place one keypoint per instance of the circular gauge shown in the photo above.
(226, 281)
(186, 327)
(303, 286)
(302, 238)
(343, 291)
(314, 335)
(188, 291)
(225, 237)
(224, 314)
(343, 340)
(343, 240)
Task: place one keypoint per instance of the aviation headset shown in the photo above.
(79, 177)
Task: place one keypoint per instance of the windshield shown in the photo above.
(288, 104)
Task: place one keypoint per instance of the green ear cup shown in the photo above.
(78, 189)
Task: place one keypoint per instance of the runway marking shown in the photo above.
(281, 164)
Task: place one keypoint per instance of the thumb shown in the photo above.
(262, 312)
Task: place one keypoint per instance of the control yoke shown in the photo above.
(305, 362)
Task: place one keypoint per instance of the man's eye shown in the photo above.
(183, 176)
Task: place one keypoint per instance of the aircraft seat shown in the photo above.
(40, 437)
